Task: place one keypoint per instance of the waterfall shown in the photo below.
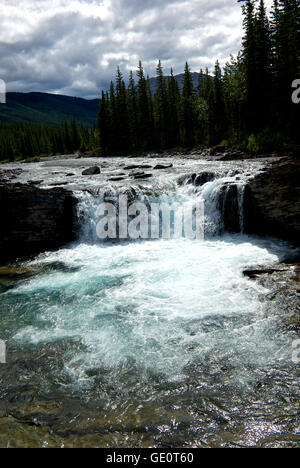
(222, 196)
(241, 204)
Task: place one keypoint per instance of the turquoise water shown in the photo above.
(162, 342)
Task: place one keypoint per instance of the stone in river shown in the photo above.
(95, 170)
(163, 166)
(116, 179)
(143, 176)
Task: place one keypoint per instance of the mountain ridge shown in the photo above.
(47, 108)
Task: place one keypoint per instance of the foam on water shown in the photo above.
(160, 305)
(165, 307)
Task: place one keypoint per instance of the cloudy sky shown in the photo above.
(74, 46)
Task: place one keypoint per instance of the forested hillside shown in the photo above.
(47, 109)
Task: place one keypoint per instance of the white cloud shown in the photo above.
(74, 46)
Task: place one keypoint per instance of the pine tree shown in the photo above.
(121, 123)
(74, 134)
(188, 111)
(144, 117)
(103, 125)
(132, 112)
(173, 128)
(161, 107)
(220, 121)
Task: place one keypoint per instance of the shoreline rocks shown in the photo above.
(272, 201)
(34, 220)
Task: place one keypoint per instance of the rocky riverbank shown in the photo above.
(272, 202)
(33, 220)
(283, 284)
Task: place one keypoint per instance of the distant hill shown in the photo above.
(49, 109)
(178, 78)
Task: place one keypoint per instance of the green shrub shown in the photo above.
(35, 159)
(265, 141)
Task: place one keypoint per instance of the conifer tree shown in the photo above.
(188, 111)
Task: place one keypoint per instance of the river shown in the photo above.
(149, 343)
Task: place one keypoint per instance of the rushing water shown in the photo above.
(150, 343)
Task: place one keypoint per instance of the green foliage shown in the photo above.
(265, 141)
(35, 159)
(29, 141)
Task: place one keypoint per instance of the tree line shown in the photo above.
(19, 141)
(247, 104)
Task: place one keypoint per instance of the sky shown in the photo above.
(73, 47)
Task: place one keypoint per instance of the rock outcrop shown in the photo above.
(272, 201)
(95, 170)
(34, 220)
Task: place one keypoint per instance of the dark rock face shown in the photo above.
(92, 171)
(217, 149)
(272, 202)
(229, 207)
(203, 178)
(34, 220)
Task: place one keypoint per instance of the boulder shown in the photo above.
(203, 178)
(34, 220)
(216, 149)
(142, 176)
(95, 170)
(163, 166)
(116, 179)
(272, 201)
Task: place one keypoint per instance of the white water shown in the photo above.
(166, 307)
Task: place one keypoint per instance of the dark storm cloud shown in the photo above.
(74, 46)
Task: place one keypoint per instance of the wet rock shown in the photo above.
(203, 178)
(34, 220)
(234, 156)
(35, 182)
(163, 166)
(216, 149)
(255, 273)
(95, 170)
(116, 179)
(136, 173)
(9, 174)
(56, 184)
(229, 207)
(142, 176)
(131, 167)
(272, 201)
(283, 282)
